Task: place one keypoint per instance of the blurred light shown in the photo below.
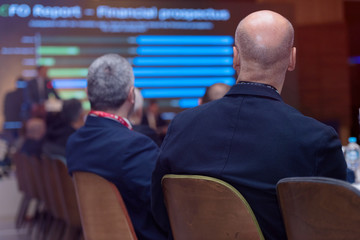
(21, 84)
(69, 83)
(173, 92)
(184, 71)
(182, 82)
(184, 50)
(72, 94)
(168, 115)
(12, 125)
(188, 102)
(182, 61)
(185, 40)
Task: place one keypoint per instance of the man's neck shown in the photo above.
(118, 112)
(274, 81)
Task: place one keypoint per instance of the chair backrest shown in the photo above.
(54, 192)
(201, 207)
(319, 208)
(37, 169)
(21, 172)
(26, 176)
(102, 210)
(68, 195)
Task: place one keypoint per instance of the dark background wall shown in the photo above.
(328, 85)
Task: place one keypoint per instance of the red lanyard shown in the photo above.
(112, 116)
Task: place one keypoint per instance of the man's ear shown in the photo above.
(292, 61)
(236, 60)
(131, 95)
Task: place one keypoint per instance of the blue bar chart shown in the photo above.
(175, 68)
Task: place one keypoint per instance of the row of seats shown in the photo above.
(199, 207)
(46, 183)
(313, 208)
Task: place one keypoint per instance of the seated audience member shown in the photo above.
(13, 105)
(136, 117)
(153, 119)
(107, 146)
(35, 129)
(61, 127)
(250, 138)
(213, 92)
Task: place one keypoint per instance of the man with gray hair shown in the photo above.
(107, 146)
(250, 138)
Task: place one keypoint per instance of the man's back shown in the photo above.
(250, 139)
(124, 157)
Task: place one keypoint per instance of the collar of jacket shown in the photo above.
(93, 121)
(254, 90)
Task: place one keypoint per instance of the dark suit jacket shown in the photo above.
(251, 139)
(124, 157)
(33, 91)
(12, 105)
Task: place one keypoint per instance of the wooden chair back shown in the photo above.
(36, 170)
(55, 192)
(319, 208)
(68, 195)
(201, 207)
(21, 171)
(102, 210)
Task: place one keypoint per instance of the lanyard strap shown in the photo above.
(111, 116)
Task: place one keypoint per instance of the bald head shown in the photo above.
(215, 91)
(264, 41)
(264, 37)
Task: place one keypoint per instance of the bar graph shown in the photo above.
(176, 68)
(177, 51)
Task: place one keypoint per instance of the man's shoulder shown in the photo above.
(195, 111)
(120, 136)
(306, 125)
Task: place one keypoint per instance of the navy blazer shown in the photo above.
(126, 158)
(33, 91)
(251, 139)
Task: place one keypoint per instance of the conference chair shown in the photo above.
(25, 185)
(55, 195)
(73, 230)
(102, 210)
(201, 207)
(319, 208)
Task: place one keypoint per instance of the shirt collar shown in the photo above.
(254, 89)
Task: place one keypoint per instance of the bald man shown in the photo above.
(250, 138)
(213, 92)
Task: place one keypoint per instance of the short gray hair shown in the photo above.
(109, 80)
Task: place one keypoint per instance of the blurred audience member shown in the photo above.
(13, 112)
(250, 138)
(213, 92)
(152, 116)
(35, 129)
(107, 146)
(136, 117)
(153, 119)
(61, 127)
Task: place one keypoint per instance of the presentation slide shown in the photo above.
(177, 49)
